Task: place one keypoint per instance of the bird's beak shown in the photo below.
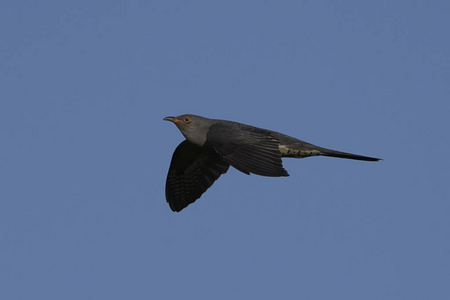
(172, 119)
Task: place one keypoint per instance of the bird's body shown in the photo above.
(213, 145)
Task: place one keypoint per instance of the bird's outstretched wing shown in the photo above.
(192, 171)
(247, 148)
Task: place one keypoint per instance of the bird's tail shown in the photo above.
(334, 153)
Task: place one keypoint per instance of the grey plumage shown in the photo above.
(212, 145)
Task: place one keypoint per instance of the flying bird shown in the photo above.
(212, 145)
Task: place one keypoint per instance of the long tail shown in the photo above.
(334, 153)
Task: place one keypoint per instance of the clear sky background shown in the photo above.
(84, 86)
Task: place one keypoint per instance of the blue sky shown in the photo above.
(85, 152)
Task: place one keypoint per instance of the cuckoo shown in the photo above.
(212, 145)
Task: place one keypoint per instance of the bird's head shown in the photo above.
(194, 128)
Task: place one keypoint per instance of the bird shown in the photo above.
(212, 145)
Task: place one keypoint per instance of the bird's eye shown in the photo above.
(187, 120)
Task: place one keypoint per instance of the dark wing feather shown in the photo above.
(192, 171)
(247, 148)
